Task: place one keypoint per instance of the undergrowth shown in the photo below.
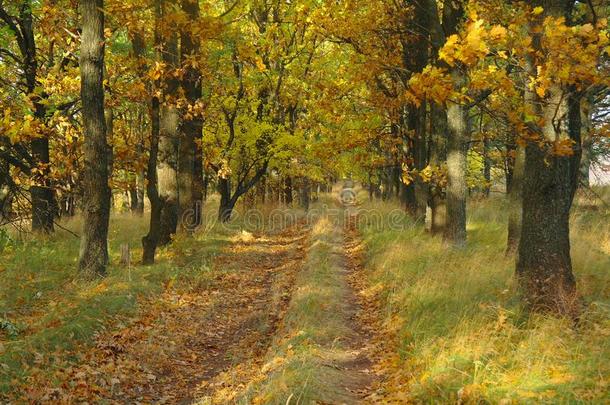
(461, 332)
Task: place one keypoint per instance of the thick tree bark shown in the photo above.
(457, 141)
(516, 167)
(408, 198)
(544, 266)
(419, 153)
(438, 155)
(457, 127)
(515, 198)
(96, 197)
(151, 240)
(447, 214)
(169, 120)
(190, 165)
(167, 172)
(199, 184)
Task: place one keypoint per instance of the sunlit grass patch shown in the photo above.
(462, 333)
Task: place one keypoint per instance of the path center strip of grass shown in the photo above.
(312, 359)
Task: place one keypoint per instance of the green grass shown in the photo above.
(461, 331)
(55, 313)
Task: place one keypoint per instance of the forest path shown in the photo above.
(218, 341)
(183, 339)
(361, 314)
(326, 348)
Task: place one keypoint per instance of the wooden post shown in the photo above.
(125, 256)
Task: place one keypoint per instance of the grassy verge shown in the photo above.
(299, 367)
(49, 316)
(461, 331)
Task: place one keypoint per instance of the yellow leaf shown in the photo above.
(498, 32)
(538, 10)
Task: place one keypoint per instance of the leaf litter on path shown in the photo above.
(182, 339)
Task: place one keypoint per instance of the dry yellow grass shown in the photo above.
(461, 331)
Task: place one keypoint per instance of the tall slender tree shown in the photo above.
(190, 164)
(169, 121)
(96, 197)
(21, 26)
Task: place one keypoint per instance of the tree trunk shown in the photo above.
(139, 46)
(516, 168)
(41, 193)
(167, 173)
(225, 209)
(169, 119)
(420, 159)
(199, 184)
(262, 190)
(486, 167)
(457, 141)
(396, 180)
(189, 168)
(448, 214)
(515, 198)
(305, 193)
(438, 155)
(96, 197)
(288, 191)
(133, 198)
(415, 58)
(6, 193)
(151, 240)
(544, 265)
(140, 183)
